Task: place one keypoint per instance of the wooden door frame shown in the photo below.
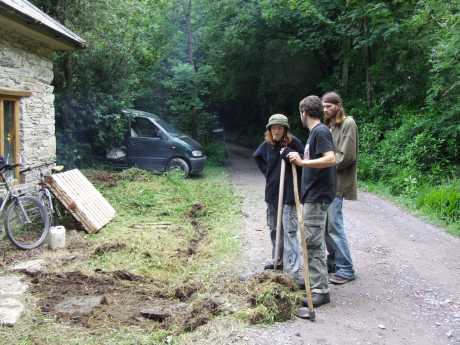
(15, 97)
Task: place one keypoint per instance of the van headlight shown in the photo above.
(197, 153)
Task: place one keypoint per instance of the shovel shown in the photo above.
(303, 312)
(279, 215)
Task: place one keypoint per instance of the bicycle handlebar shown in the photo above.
(37, 166)
(9, 166)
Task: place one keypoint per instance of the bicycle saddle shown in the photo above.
(57, 168)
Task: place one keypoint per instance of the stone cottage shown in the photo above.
(28, 38)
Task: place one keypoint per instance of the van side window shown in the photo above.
(142, 127)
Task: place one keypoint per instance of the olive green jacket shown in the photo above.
(345, 137)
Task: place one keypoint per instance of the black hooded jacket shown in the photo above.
(268, 159)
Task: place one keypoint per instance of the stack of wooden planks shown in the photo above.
(79, 196)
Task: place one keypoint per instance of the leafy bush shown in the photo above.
(414, 156)
(442, 201)
(71, 153)
(188, 90)
(216, 152)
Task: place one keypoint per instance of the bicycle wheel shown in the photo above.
(26, 222)
(46, 200)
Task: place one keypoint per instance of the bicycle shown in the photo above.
(44, 193)
(25, 218)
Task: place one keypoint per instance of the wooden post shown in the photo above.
(306, 272)
(16, 140)
(279, 215)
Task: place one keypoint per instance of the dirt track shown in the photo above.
(408, 275)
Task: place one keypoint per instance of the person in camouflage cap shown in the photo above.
(268, 158)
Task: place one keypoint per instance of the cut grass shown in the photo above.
(158, 218)
(272, 297)
(154, 223)
(173, 242)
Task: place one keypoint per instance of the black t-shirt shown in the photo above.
(318, 185)
(268, 159)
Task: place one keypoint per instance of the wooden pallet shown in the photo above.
(81, 199)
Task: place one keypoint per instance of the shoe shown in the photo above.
(270, 266)
(318, 299)
(337, 280)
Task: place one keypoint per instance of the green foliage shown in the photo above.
(442, 201)
(93, 84)
(216, 152)
(414, 156)
(236, 62)
(71, 152)
(444, 91)
(419, 143)
(189, 91)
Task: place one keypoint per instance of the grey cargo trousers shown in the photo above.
(314, 215)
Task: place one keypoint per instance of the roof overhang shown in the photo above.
(25, 18)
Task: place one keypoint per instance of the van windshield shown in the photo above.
(168, 127)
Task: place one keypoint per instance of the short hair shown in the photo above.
(312, 105)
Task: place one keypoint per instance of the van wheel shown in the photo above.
(179, 164)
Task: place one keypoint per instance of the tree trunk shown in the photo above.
(367, 61)
(346, 50)
(188, 18)
(346, 47)
(67, 68)
(368, 78)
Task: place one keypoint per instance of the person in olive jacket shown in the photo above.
(268, 158)
(345, 135)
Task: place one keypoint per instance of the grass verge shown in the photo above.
(439, 205)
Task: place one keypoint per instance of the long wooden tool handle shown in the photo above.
(306, 272)
(279, 214)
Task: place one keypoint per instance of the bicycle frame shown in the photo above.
(44, 191)
(5, 200)
(10, 196)
(17, 205)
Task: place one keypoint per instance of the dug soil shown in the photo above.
(103, 299)
(111, 299)
(121, 300)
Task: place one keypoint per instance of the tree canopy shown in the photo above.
(204, 63)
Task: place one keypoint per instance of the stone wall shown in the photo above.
(27, 65)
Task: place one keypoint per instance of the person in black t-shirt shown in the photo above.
(317, 192)
(268, 159)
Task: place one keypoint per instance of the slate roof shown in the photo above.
(29, 15)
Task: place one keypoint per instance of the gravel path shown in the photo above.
(408, 285)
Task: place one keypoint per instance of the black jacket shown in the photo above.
(268, 159)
